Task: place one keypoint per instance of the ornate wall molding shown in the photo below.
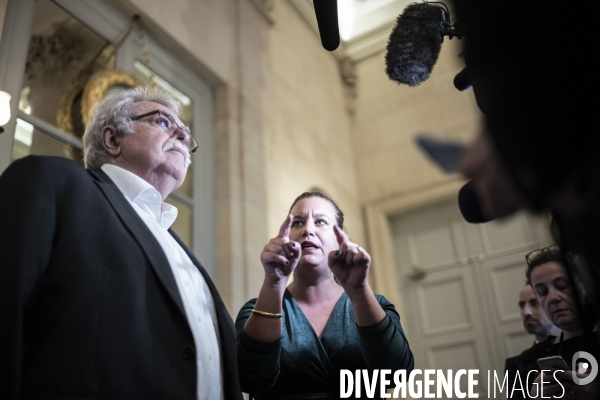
(357, 48)
(347, 68)
(54, 59)
(346, 65)
(306, 10)
(370, 44)
(266, 9)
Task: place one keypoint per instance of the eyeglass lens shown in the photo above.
(535, 254)
(192, 144)
(172, 127)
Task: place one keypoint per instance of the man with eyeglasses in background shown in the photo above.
(99, 298)
(535, 322)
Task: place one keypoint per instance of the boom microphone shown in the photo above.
(463, 80)
(469, 205)
(415, 43)
(327, 19)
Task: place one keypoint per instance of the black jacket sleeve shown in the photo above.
(27, 200)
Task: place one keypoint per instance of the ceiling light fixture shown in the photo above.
(4, 109)
(347, 17)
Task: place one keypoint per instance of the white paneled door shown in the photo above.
(460, 283)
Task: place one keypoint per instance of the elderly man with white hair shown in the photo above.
(99, 298)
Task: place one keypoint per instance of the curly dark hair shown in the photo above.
(565, 259)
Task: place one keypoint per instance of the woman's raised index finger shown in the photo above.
(340, 235)
(284, 231)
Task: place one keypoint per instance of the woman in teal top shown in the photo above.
(294, 340)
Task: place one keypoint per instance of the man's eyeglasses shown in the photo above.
(168, 124)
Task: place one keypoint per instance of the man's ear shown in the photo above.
(111, 141)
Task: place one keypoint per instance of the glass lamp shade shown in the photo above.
(4, 108)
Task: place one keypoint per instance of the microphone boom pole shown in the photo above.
(327, 19)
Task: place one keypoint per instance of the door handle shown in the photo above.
(416, 274)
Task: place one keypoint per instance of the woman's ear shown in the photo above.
(111, 141)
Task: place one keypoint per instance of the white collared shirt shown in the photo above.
(194, 292)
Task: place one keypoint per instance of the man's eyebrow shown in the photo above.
(168, 114)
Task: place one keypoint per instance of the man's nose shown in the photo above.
(181, 135)
(525, 311)
(553, 296)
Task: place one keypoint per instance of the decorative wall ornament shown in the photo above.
(266, 9)
(99, 85)
(53, 59)
(346, 63)
(347, 68)
(65, 119)
(53, 64)
(78, 103)
(93, 82)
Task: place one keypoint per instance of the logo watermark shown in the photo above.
(581, 368)
(435, 384)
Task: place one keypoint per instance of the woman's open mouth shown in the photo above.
(309, 246)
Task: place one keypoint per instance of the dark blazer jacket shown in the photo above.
(512, 365)
(89, 307)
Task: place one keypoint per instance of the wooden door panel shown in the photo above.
(443, 303)
(460, 284)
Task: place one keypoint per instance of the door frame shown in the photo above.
(383, 273)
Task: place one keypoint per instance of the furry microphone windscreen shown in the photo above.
(414, 44)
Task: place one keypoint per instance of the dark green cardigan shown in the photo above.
(303, 366)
